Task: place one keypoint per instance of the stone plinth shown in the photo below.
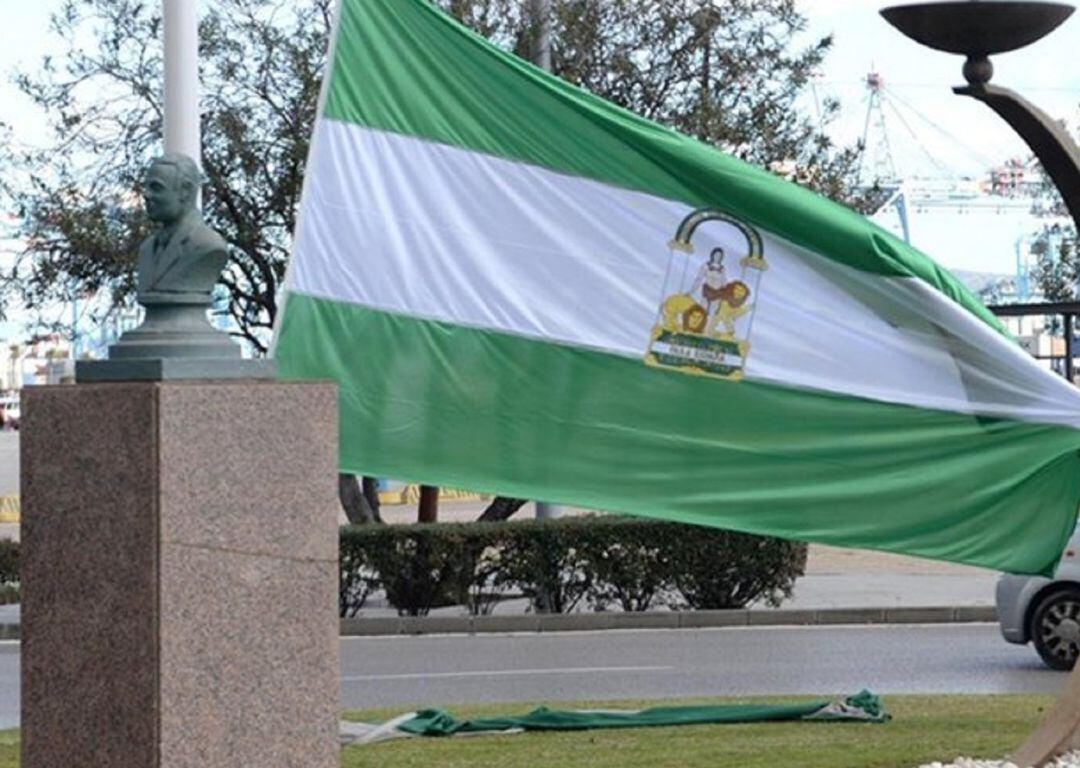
(179, 603)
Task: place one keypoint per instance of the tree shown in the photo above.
(1056, 249)
(1057, 263)
(359, 500)
(260, 65)
(728, 73)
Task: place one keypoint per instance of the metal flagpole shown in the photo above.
(181, 32)
(540, 17)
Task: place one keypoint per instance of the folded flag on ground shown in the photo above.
(523, 289)
(862, 707)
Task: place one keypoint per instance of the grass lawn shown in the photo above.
(923, 729)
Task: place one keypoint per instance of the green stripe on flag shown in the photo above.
(447, 405)
(404, 66)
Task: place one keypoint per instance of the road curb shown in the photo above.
(591, 622)
(579, 622)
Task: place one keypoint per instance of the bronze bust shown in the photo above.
(177, 270)
(182, 262)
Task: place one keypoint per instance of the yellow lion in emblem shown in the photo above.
(682, 313)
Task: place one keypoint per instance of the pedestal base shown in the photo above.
(179, 545)
(172, 369)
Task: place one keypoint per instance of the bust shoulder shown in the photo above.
(186, 268)
(199, 237)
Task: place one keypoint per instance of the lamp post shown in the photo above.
(976, 29)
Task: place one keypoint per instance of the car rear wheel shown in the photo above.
(1055, 628)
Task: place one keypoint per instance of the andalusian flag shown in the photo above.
(523, 289)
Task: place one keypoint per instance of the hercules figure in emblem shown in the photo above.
(711, 279)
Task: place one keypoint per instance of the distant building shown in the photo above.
(44, 359)
(1016, 178)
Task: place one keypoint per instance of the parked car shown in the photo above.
(9, 413)
(1045, 612)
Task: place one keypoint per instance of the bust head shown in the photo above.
(170, 187)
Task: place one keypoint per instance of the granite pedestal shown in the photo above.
(179, 604)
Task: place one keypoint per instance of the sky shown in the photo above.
(930, 129)
(958, 134)
(1047, 73)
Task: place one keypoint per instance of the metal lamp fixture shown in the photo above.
(978, 28)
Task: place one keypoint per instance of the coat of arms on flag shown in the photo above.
(704, 321)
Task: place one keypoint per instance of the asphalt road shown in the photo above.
(435, 670)
(427, 670)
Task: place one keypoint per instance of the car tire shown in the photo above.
(1055, 628)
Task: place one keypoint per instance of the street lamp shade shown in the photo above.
(977, 28)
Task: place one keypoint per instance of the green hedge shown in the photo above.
(595, 562)
(9, 561)
(598, 562)
(9, 571)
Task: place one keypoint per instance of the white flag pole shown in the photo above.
(540, 12)
(181, 31)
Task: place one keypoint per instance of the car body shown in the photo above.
(1045, 611)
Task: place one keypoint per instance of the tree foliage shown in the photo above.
(1056, 248)
(732, 74)
(1057, 263)
(260, 66)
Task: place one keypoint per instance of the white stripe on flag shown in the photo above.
(423, 229)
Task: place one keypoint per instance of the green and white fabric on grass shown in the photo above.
(863, 707)
(514, 285)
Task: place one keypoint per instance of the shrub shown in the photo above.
(546, 561)
(418, 566)
(635, 564)
(724, 569)
(9, 561)
(421, 567)
(483, 560)
(356, 575)
(630, 563)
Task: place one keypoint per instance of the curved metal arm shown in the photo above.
(1055, 149)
